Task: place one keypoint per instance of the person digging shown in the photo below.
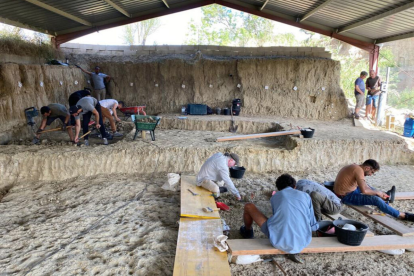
(108, 108)
(86, 107)
(351, 188)
(50, 113)
(290, 227)
(216, 171)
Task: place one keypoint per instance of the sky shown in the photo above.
(172, 32)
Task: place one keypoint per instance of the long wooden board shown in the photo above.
(404, 195)
(320, 245)
(386, 221)
(337, 216)
(192, 206)
(258, 135)
(196, 254)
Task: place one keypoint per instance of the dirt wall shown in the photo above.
(23, 86)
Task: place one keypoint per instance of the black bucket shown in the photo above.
(350, 237)
(237, 172)
(307, 132)
(226, 111)
(323, 227)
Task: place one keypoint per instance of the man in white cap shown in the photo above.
(215, 170)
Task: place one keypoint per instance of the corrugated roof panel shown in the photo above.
(135, 7)
(293, 7)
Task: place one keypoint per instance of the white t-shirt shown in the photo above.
(109, 104)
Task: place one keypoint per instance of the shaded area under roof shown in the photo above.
(361, 24)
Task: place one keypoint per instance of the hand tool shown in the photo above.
(194, 194)
(210, 210)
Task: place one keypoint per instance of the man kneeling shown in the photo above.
(290, 228)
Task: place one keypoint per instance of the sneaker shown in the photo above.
(409, 217)
(391, 193)
(109, 136)
(223, 190)
(246, 234)
(86, 142)
(117, 134)
(357, 116)
(295, 258)
(105, 141)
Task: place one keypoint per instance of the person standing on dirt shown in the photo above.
(98, 79)
(351, 188)
(108, 108)
(323, 200)
(373, 85)
(360, 93)
(86, 107)
(290, 227)
(216, 170)
(51, 113)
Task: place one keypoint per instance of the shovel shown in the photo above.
(233, 128)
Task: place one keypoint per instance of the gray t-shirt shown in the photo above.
(87, 104)
(58, 110)
(98, 80)
(309, 186)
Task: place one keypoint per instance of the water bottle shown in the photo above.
(183, 110)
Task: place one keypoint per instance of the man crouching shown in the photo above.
(290, 228)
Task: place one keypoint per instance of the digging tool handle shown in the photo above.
(50, 130)
(85, 134)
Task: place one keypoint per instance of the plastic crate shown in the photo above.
(197, 109)
(408, 132)
(409, 123)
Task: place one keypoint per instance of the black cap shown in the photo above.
(74, 108)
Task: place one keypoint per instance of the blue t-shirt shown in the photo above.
(290, 228)
(361, 84)
(98, 80)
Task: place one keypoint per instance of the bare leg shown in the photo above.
(368, 110)
(251, 213)
(70, 132)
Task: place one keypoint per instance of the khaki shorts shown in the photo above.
(360, 100)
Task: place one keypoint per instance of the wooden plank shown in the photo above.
(192, 206)
(404, 195)
(321, 245)
(386, 221)
(337, 216)
(258, 135)
(196, 254)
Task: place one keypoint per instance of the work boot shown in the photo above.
(409, 217)
(223, 190)
(35, 141)
(391, 193)
(117, 134)
(105, 141)
(246, 234)
(86, 142)
(295, 258)
(109, 136)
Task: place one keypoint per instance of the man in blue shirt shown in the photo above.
(290, 228)
(99, 90)
(360, 93)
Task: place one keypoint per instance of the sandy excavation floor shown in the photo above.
(127, 225)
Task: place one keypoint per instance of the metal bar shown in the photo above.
(382, 102)
(22, 25)
(315, 10)
(165, 2)
(395, 37)
(60, 12)
(118, 8)
(264, 5)
(375, 18)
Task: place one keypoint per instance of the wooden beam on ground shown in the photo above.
(258, 135)
(337, 216)
(320, 245)
(386, 221)
(195, 253)
(60, 12)
(404, 195)
(192, 206)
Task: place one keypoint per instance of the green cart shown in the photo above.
(142, 124)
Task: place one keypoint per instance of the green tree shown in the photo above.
(141, 30)
(285, 39)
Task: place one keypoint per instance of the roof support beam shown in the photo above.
(60, 12)
(375, 18)
(394, 38)
(165, 3)
(22, 25)
(315, 10)
(264, 5)
(118, 8)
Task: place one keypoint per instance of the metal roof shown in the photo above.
(360, 23)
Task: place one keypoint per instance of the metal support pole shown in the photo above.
(382, 101)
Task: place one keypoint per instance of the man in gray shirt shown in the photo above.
(99, 90)
(86, 107)
(51, 113)
(323, 200)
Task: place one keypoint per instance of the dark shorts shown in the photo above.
(50, 120)
(373, 99)
(264, 229)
